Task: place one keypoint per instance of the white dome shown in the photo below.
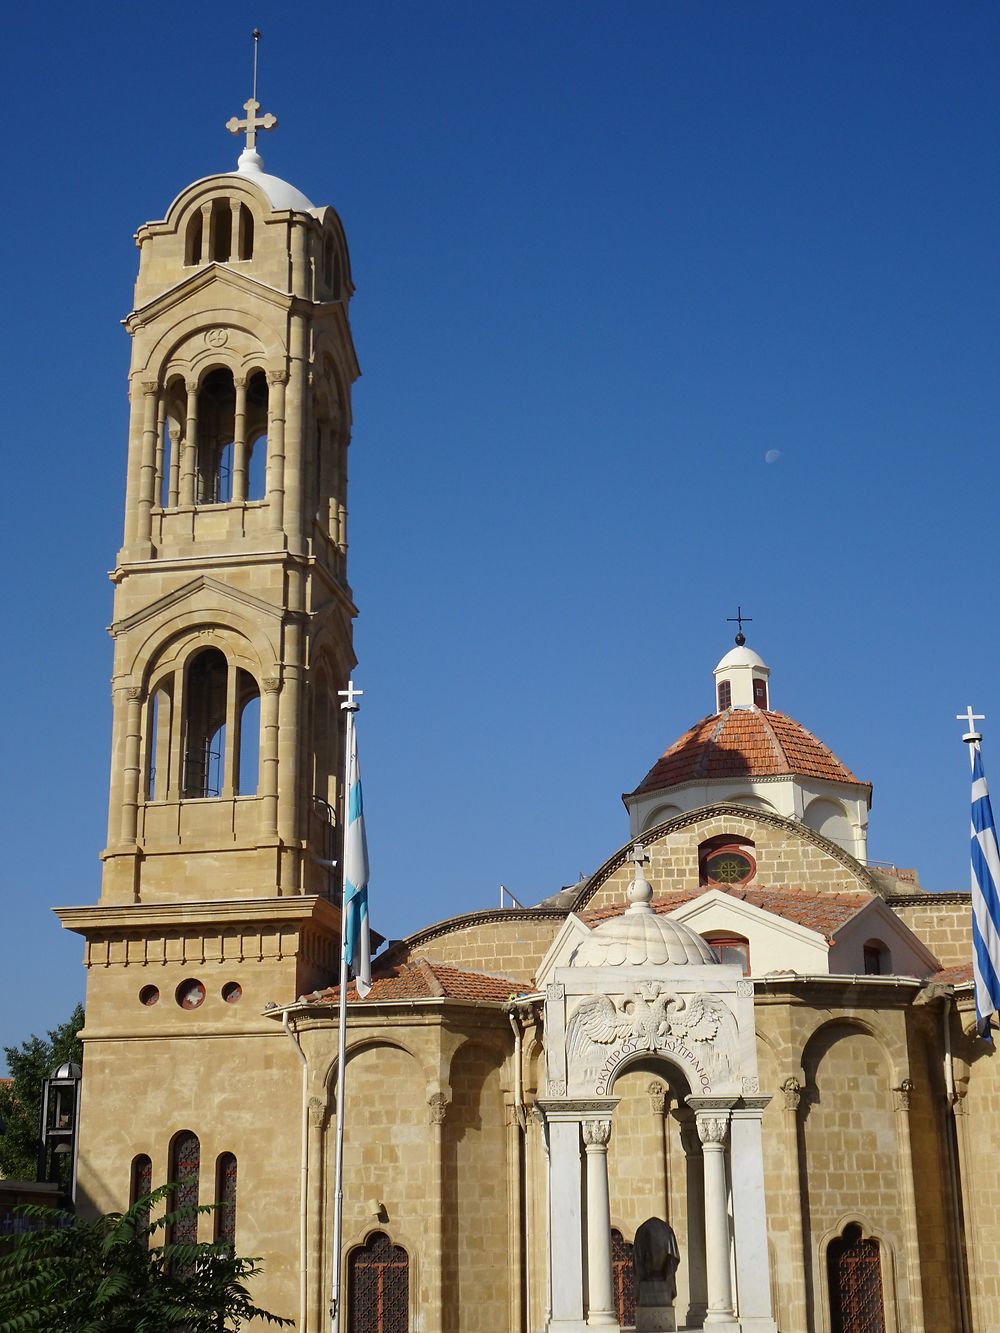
(640, 936)
(742, 656)
(279, 192)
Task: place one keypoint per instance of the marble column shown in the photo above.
(713, 1129)
(600, 1290)
(697, 1286)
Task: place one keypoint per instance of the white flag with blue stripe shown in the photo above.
(985, 899)
(357, 944)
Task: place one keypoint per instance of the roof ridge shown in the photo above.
(424, 967)
(778, 748)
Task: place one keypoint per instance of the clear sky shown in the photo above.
(607, 257)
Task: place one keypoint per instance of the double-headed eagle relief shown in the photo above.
(653, 1018)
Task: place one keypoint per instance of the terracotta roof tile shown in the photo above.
(421, 979)
(745, 742)
(823, 912)
(953, 976)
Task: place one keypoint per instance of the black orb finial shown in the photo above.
(741, 639)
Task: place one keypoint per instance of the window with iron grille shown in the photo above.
(225, 1197)
(185, 1168)
(141, 1184)
(725, 695)
(854, 1268)
(378, 1285)
(623, 1278)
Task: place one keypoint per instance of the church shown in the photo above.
(735, 1025)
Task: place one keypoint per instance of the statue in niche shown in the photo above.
(656, 1258)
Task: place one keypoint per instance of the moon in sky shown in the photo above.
(772, 455)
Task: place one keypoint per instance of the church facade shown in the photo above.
(736, 1024)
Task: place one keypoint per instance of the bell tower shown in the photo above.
(232, 618)
(232, 632)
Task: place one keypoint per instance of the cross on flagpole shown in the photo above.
(349, 696)
(972, 737)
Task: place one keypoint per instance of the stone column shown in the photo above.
(907, 1168)
(276, 447)
(432, 1281)
(315, 1258)
(295, 414)
(189, 457)
(174, 466)
(269, 757)
(230, 757)
(713, 1126)
(515, 1211)
(600, 1290)
(753, 1269)
(791, 1091)
(147, 469)
(240, 442)
(131, 767)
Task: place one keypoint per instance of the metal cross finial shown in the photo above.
(350, 696)
(253, 122)
(738, 620)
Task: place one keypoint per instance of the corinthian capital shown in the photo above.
(596, 1133)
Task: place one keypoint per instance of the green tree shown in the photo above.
(30, 1064)
(107, 1276)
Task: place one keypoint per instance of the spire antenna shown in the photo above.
(738, 620)
(252, 122)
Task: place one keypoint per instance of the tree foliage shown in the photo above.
(30, 1064)
(108, 1276)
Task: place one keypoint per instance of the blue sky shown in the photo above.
(606, 256)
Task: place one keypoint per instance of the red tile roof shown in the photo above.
(420, 979)
(745, 742)
(953, 976)
(823, 912)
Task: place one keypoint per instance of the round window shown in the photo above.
(729, 865)
(190, 994)
(232, 991)
(149, 995)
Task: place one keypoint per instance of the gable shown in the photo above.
(777, 944)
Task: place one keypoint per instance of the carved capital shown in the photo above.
(135, 693)
(438, 1106)
(792, 1090)
(902, 1094)
(596, 1133)
(150, 387)
(277, 377)
(317, 1112)
(657, 1098)
(712, 1129)
(271, 684)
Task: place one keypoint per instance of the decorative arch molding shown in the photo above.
(499, 1052)
(727, 810)
(887, 1255)
(183, 647)
(893, 1051)
(201, 192)
(235, 305)
(373, 1042)
(682, 1061)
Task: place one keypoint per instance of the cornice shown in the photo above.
(212, 273)
(488, 916)
(951, 896)
(142, 916)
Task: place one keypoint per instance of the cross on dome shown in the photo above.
(252, 122)
(640, 891)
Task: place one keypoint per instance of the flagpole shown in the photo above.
(350, 707)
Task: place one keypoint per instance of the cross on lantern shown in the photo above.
(252, 123)
(738, 620)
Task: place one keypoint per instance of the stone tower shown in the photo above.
(232, 633)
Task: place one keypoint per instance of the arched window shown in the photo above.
(725, 695)
(248, 723)
(221, 246)
(193, 238)
(140, 1184)
(854, 1269)
(378, 1287)
(245, 250)
(225, 1198)
(206, 690)
(623, 1279)
(726, 860)
(760, 692)
(184, 1172)
(216, 429)
(256, 429)
(730, 948)
(878, 960)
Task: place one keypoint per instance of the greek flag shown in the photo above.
(985, 900)
(357, 945)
